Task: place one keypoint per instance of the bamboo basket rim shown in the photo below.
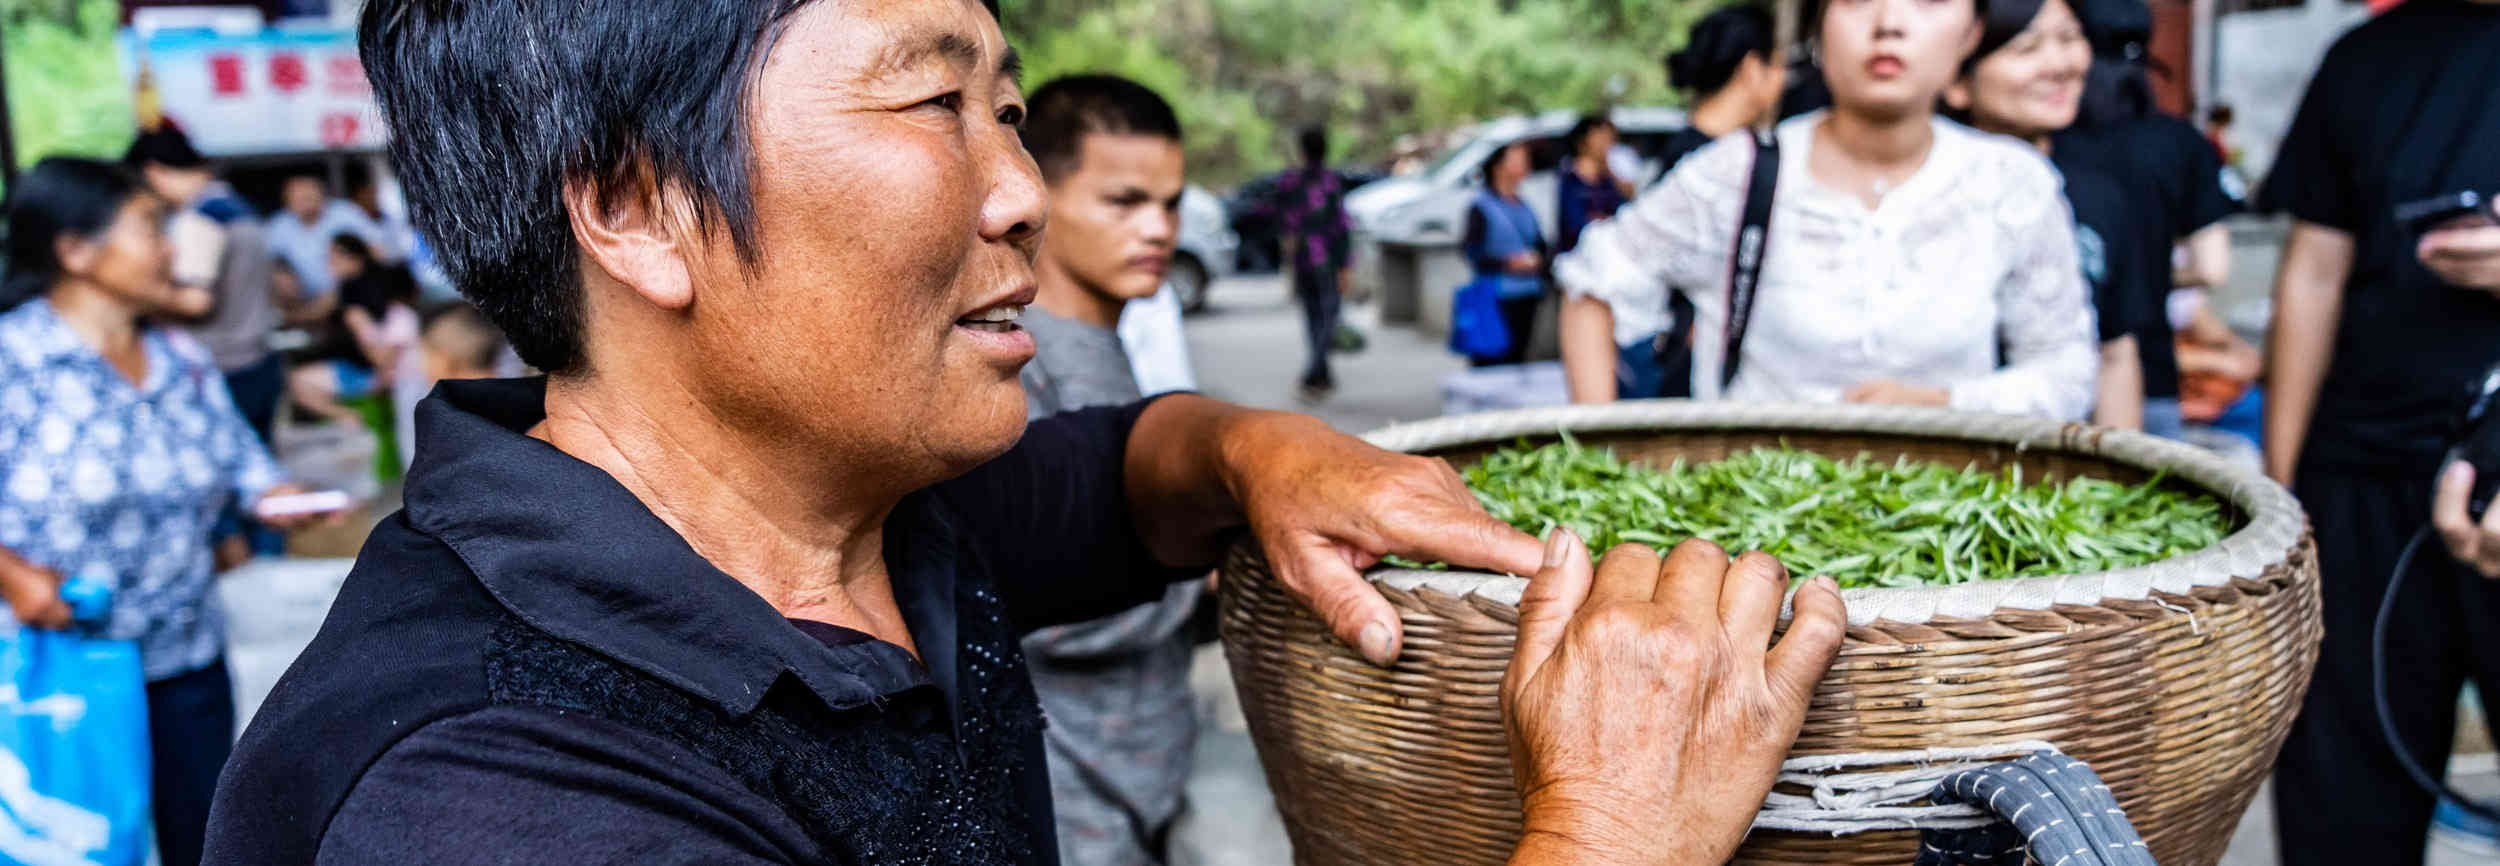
(2275, 522)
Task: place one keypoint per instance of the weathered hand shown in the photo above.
(1646, 718)
(1325, 506)
(2475, 544)
(1897, 394)
(2465, 255)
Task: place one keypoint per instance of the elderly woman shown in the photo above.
(741, 580)
(119, 446)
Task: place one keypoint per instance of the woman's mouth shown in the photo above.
(1885, 67)
(1000, 319)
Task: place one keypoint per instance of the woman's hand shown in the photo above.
(293, 522)
(1646, 718)
(1893, 393)
(34, 593)
(1524, 263)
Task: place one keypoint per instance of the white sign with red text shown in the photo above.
(281, 90)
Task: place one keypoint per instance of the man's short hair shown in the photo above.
(1062, 113)
(165, 146)
(495, 106)
(459, 331)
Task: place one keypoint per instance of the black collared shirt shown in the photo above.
(386, 741)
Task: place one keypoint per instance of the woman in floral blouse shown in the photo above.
(118, 447)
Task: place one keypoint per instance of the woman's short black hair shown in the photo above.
(60, 196)
(495, 106)
(1484, 170)
(1060, 114)
(1717, 45)
(2000, 22)
(355, 248)
(1313, 141)
(1579, 135)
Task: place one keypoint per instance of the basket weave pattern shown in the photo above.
(2179, 699)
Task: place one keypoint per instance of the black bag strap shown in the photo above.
(1753, 241)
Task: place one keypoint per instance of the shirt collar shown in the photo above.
(570, 551)
(37, 334)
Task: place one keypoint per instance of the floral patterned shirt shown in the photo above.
(102, 477)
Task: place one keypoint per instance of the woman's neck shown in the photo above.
(1723, 112)
(1884, 145)
(2038, 140)
(811, 545)
(1589, 166)
(107, 324)
(1867, 159)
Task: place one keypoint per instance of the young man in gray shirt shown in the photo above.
(1116, 689)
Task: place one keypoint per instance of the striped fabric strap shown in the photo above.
(2048, 805)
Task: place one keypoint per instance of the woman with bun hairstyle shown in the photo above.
(1907, 259)
(1728, 68)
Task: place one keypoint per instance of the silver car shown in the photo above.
(1205, 249)
(1429, 207)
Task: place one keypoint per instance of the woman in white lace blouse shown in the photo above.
(1911, 260)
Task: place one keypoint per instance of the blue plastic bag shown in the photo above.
(73, 749)
(1477, 329)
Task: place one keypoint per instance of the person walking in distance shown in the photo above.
(1310, 208)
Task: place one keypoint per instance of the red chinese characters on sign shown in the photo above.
(287, 72)
(225, 74)
(346, 76)
(339, 129)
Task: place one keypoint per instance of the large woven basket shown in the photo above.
(2176, 681)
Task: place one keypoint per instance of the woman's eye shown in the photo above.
(1011, 115)
(951, 101)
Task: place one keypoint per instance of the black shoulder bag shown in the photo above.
(1753, 241)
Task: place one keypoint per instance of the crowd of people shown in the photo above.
(140, 316)
(833, 364)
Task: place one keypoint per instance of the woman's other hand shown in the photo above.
(1888, 392)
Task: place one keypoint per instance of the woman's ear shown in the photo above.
(638, 232)
(1957, 94)
(77, 255)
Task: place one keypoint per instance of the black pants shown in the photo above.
(1318, 291)
(1519, 315)
(2340, 797)
(256, 389)
(190, 731)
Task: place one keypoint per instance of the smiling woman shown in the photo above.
(741, 580)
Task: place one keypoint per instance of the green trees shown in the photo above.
(66, 94)
(1245, 73)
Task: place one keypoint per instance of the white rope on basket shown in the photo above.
(1840, 803)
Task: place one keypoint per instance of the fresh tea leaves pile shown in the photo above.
(1861, 522)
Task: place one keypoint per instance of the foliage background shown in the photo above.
(66, 94)
(1244, 74)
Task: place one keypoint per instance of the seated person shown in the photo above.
(370, 338)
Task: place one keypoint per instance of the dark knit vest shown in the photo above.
(871, 784)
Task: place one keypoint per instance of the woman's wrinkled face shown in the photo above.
(2033, 85)
(131, 259)
(897, 217)
(1891, 59)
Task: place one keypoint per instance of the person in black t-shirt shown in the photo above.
(2370, 357)
(2025, 80)
(2183, 188)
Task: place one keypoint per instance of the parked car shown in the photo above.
(1252, 214)
(1430, 206)
(1206, 248)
